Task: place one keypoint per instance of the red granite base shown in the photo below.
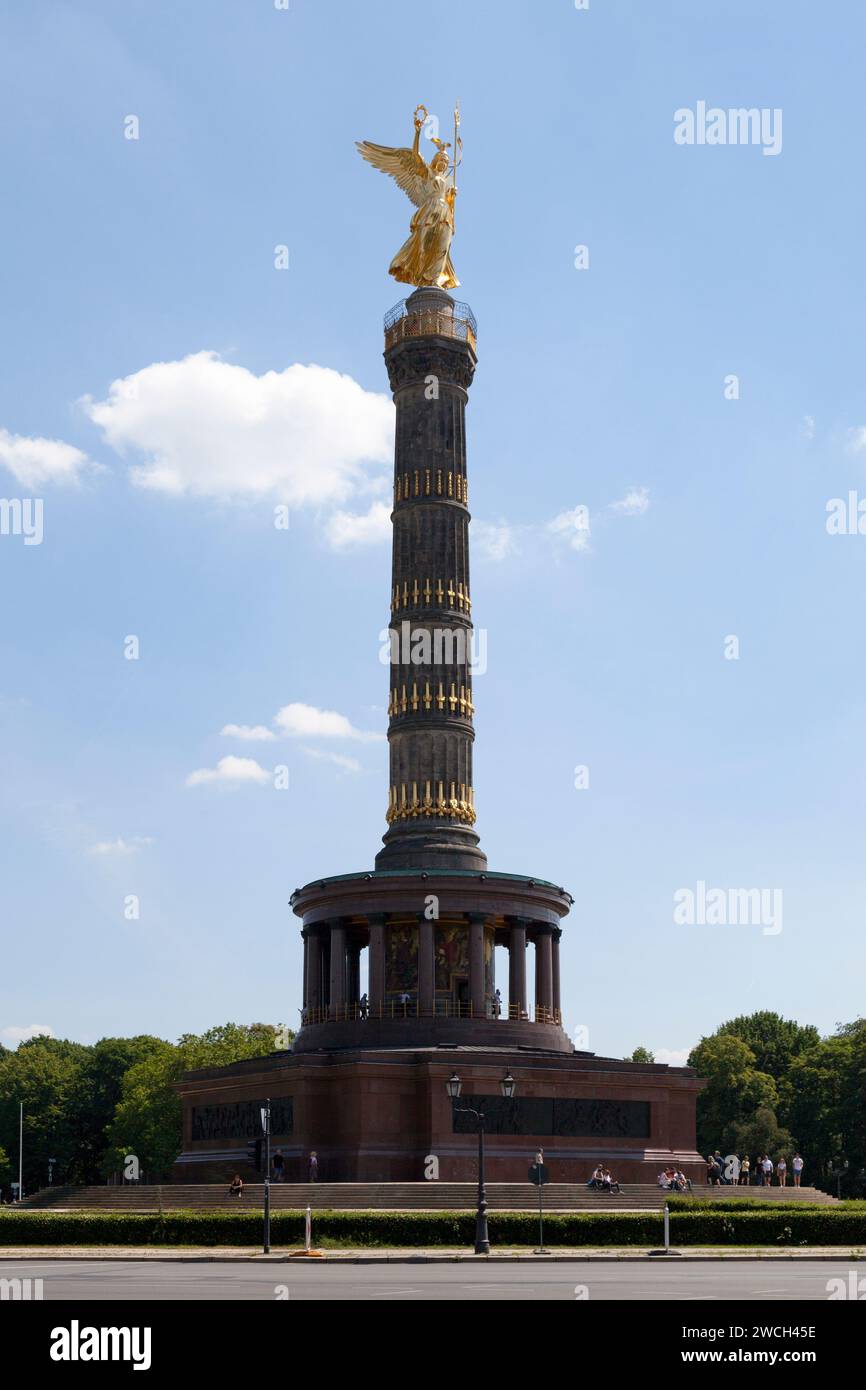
(378, 1116)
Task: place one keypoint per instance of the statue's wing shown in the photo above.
(406, 167)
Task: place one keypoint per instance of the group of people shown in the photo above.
(278, 1168)
(601, 1180)
(674, 1180)
(741, 1171)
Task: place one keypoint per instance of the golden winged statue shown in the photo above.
(425, 258)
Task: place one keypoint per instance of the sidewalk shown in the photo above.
(244, 1254)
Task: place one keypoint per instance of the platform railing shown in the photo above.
(397, 1010)
(451, 321)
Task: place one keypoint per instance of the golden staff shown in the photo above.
(458, 146)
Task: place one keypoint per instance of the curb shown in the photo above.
(451, 1257)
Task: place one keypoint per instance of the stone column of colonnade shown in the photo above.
(332, 967)
(543, 972)
(517, 967)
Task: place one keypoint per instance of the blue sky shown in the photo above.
(601, 388)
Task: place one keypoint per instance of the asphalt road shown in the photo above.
(756, 1282)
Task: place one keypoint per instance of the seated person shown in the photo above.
(596, 1180)
(237, 1187)
(610, 1184)
(681, 1182)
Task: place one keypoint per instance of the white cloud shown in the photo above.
(671, 1057)
(210, 428)
(229, 769)
(857, 439)
(13, 1035)
(305, 721)
(120, 847)
(339, 759)
(372, 527)
(248, 733)
(634, 502)
(572, 526)
(808, 426)
(493, 541)
(36, 461)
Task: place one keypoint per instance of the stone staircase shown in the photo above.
(390, 1196)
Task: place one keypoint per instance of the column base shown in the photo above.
(428, 847)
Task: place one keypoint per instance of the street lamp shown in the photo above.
(454, 1087)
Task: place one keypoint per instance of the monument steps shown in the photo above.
(391, 1196)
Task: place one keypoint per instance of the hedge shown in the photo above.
(791, 1226)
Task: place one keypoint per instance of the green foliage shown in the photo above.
(773, 1040)
(640, 1054)
(762, 1134)
(825, 1092)
(87, 1107)
(147, 1120)
(42, 1073)
(699, 1224)
(735, 1090)
(5, 1166)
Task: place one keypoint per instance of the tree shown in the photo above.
(41, 1073)
(826, 1087)
(762, 1134)
(775, 1041)
(735, 1089)
(94, 1099)
(640, 1054)
(147, 1122)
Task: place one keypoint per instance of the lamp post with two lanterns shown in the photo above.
(454, 1086)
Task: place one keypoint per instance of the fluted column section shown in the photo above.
(557, 998)
(476, 964)
(431, 801)
(376, 990)
(517, 967)
(543, 971)
(338, 967)
(313, 979)
(426, 965)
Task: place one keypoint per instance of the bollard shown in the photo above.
(308, 1230)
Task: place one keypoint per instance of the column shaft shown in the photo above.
(377, 965)
(557, 998)
(476, 965)
(517, 968)
(543, 974)
(426, 993)
(338, 967)
(313, 984)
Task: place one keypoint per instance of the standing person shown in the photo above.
(744, 1171)
(314, 1167)
(797, 1166)
(767, 1166)
(277, 1165)
(497, 1004)
(782, 1171)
